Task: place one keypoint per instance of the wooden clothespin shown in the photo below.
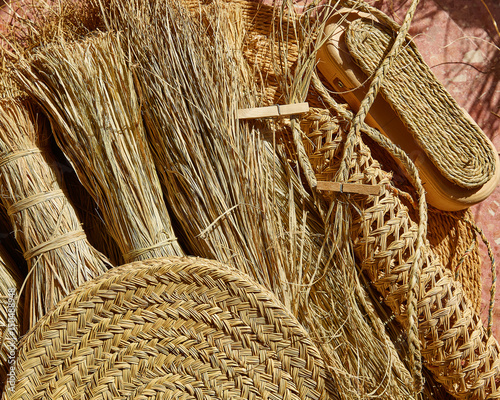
(273, 111)
(357, 188)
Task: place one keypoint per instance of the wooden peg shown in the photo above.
(357, 188)
(273, 111)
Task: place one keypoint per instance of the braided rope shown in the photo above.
(352, 137)
(375, 85)
(413, 339)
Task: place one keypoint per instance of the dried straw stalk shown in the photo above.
(11, 311)
(334, 307)
(46, 227)
(233, 192)
(87, 90)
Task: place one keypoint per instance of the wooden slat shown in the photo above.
(273, 111)
(350, 188)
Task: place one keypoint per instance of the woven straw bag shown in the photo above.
(182, 328)
(454, 343)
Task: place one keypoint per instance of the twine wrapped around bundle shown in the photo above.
(11, 311)
(86, 89)
(46, 226)
(170, 328)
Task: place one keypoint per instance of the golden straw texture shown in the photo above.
(455, 243)
(46, 226)
(461, 151)
(167, 328)
(87, 90)
(236, 189)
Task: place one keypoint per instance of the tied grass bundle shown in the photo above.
(56, 249)
(235, 194)
(210, 169)
(11, 311)
(87, 90)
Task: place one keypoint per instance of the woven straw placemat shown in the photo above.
(167, 328)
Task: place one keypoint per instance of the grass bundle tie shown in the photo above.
(45, 223)
(55, 243)
(16, 155)
(139, 253)
(31, 201)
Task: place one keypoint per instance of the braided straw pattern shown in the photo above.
(10, 314)
(168, 328)
(454, 343)
(435, 120)
(455, 243)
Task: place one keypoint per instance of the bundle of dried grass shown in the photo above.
(234, 193)
(11, 311)
(46, 227)
(86, 89)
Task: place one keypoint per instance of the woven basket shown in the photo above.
(455, 346)
(461, 152)
(168, 328)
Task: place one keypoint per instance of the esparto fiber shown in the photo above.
(455, 346)
(451, 139)
(87, 90)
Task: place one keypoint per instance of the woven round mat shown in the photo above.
(170, 328)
